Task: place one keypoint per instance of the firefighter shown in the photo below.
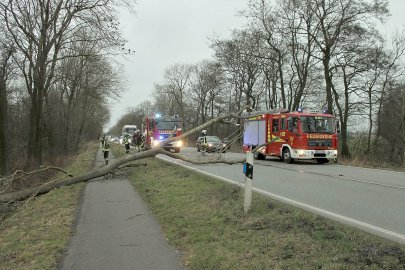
(204, 143)
(103, 139)
(106, 151)
(137, 140)
(126, 143)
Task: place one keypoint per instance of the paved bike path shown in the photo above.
(116, 230)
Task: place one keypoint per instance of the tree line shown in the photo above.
(57, 74)
(314, 54)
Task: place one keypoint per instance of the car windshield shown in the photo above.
(317, 124)
(213, 139)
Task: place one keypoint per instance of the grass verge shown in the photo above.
(203, 218)
(36, 234)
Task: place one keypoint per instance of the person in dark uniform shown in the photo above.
(103, 139)
(126, 143)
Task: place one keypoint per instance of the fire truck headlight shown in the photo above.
(156, 143)
(178, 143)
(301, 152)
(333, 153)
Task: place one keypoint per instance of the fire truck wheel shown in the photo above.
(176, 150)
(259, 156)
(287, 156)
(322, 160)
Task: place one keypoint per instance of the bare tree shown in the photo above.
(41, 30)
(391, 71)
(163, 99)
(336, 19)
(301, 26)
(266, 21)
(238, 57)
(393, 124)
(177, 80)
(206, 83)
(6, 51)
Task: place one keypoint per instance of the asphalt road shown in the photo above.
(372, 200)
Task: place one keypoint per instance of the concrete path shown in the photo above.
(116, 230)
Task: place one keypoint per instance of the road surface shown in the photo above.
(370, 199)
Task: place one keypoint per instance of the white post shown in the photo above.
(248, 184)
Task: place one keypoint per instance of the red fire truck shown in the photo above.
(157, 128)
(294, 135)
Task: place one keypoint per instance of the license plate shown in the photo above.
(319, 151)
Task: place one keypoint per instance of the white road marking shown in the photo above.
(368, 227)
(370, 182)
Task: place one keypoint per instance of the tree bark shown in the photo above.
(328, 79)
(3, 126)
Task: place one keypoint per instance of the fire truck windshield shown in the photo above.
(130, 130)
(317, 124)
(167, 125)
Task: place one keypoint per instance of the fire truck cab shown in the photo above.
(291, 135)
(157, 128)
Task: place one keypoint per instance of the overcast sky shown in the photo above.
(165, 32)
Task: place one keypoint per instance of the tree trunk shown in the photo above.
(3, 126)
(34, 149)
(328, 79)
(370, 121)
(345, 152)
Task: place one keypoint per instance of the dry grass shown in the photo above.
(367, 162)
(37, 233)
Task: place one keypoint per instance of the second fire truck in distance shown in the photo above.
(294, 135)
(157, 128)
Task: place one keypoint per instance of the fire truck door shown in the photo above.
(274, 135)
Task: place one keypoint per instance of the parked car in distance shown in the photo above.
(214, 144)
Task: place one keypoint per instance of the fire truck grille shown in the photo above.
(312, 142)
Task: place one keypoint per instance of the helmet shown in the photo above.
(204, 132)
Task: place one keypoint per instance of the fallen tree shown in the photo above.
(105, 170)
